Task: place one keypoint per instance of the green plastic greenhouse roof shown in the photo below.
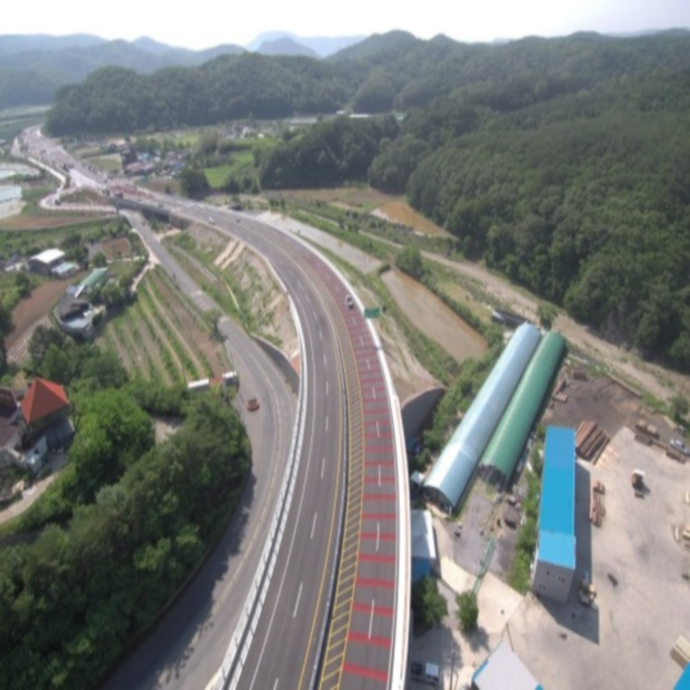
(503, 452)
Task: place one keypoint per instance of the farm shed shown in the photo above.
(94, 280)
(453, 470)
(46, 261)
(503, 669)
(424, 557)
(555, 557)
(502, 454)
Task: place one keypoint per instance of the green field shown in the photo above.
(110, 163)
(241, 164)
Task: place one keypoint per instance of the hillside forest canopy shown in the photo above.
(562, 163)
(123, 525)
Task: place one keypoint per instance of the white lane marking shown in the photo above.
(378, 532)
(313, 525)
(373, 392)
(323, 464)
(320, 335)
(299, 594)
(368, 365)
(379, 475)
(361, 340)
(371, 618)
(326, 423)
(275, 685)
(326, 388)
(324, 359)
(314, 313)
(378, 430)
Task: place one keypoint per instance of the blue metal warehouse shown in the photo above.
(453, 470)
(555, 558)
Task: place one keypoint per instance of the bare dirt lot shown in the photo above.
(116, 248)
(636, 566)
(402, 213)
(37, 306)
(433, 318)
(43, 222)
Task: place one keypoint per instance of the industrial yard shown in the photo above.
(629, 545)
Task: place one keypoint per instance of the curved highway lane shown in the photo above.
(347, 401)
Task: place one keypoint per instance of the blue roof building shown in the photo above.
(554, 568)
(684, 680)
(455, 466)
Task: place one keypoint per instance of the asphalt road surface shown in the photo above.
(187, 646)
(347, 439)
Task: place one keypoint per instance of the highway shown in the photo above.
(339, 557)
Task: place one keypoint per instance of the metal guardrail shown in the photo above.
(238, 649)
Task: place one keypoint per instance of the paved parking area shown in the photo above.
(643, 602)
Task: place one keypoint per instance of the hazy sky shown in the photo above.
(205, 23)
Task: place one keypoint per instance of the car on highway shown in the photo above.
(252, 405)
(679, 445)
(210, 220)
(349, 301)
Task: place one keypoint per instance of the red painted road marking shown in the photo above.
(380, 497)
(385, 536)
(376, 558)
(364, 672)
(378, 610)
(379, 516)
(379, 480)
(376, 584)
(365, 639)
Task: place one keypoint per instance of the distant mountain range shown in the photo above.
(319, 46)
(34, 67)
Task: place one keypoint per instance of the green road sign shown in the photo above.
(372, 313)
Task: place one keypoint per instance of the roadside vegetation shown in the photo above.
(122, 527)
(526, 543)
(429, 607)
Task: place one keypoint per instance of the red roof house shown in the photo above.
(44, 403)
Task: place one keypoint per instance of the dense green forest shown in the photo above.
(563, 163)
(393, 71)
(121, 528)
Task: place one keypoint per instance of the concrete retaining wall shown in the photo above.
(416, 410)
(283, 363)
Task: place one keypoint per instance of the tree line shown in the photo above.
(383, 73)
(122, 527)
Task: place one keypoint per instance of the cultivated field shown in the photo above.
(428, 313)
(162, 335)
(351, 198)
(402, 213)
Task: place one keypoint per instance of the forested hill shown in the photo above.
(564, 164)
(393, 71)
(32, 68)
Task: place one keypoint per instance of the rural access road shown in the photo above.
(187, 646)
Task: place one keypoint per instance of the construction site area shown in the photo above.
(627, 607)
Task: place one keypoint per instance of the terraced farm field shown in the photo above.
(163, 336)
